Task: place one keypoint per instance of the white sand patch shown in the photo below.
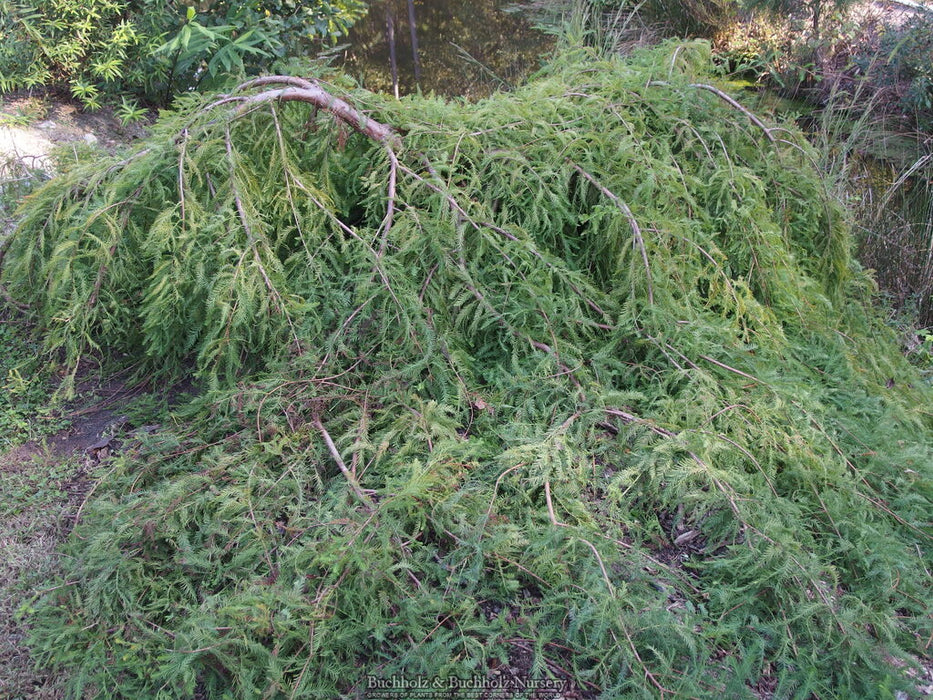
(26, 145)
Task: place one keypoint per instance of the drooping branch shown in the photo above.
(633, 223)
(301, 90)
(735, 104)
(732, 102)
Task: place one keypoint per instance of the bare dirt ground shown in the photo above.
(32, 126)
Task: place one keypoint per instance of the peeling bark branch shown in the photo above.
(301, 90)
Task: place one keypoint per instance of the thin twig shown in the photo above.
(550, 505)
(648, 674)
(244, 220)
(390, 207)
(332, 448)
(495, 488)
(629, 418)
(101, 272)
(602, 567)
(731, 369)
(181, 174)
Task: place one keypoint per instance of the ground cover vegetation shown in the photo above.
(582, 381)
(24, 409)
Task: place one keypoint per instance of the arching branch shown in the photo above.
(301, 90)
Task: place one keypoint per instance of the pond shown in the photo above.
(448, 47)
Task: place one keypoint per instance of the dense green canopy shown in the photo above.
(580, 379)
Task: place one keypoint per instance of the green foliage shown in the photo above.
(150, 47)
(814, 10)
(80, 43)
(588, 379)
(24, 389)
(129, 112)
(27, 489)
(882, 61)
(908, 54)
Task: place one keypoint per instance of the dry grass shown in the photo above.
(29, 535)
(44, 482)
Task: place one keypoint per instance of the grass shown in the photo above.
(45, 475)
(34, 505)
(25, 410)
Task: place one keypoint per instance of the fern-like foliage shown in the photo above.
(584, 373)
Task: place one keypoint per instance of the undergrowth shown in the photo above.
(584, 372)
(25, 409)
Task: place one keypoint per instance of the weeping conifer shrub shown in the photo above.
(579, 382)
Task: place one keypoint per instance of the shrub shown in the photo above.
(579, 382)
(149, 47)
(79, 43)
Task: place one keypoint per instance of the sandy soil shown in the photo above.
(31, 127)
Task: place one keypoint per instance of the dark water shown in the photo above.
(464, 47)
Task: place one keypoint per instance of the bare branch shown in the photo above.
(390, 207)
(301, 90)
(729, 100)
(636, 229)
(332, 448)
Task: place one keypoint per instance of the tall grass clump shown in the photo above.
(896, 223)
(578, 382)
(884, 171)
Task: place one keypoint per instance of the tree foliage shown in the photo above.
(582, 374)
(154, 48)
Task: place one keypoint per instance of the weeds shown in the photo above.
(25, 411)
(32, 483)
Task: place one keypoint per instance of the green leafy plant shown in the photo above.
(147, 48)
(129, 112)
(579, 381)
(84, 44)
(199, 51)
(908, 51)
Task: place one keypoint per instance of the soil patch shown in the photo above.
(32, 127)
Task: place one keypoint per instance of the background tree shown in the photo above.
(814, 9)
